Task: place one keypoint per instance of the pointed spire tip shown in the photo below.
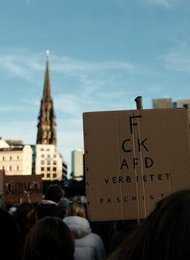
(47, 53)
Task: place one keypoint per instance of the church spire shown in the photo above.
(47, 91)
(46, 133)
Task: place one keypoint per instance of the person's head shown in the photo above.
(78, 209)
(48, 210)
(164, 234)
(9, 246)
(22, 218)
(64, 205)
(49, 239)
(54, 192)
(23, 210)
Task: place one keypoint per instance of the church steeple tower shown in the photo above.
(46, 133)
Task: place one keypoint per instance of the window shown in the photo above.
(42, 162)
(47, 150)
(54, 169)
(48, 156)
(17, 157)
(3, 158)
(54, 162)
(42, 169)
(48, 169)
(43, 175)
(10, 158)
(10, 168)
(54, 175)
(17, 168)
(185, 106)
(54, 156)
(48, 175)
(48, 162)
(42, 155)
(42, 149)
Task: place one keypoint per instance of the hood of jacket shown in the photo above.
(48, 202)
(79, 226)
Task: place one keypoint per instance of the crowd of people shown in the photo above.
(58, 228)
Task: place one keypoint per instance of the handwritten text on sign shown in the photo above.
(127, 146)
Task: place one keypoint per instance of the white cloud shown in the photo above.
(13, 108)
(159, 2)
(178, 62)
(20, 64)
(10, 65)
(178, 59)
(19, 130)
(68, 65)
(23, 64)
(95, 85)
(162, 3)
(68, 104)
(26, 2)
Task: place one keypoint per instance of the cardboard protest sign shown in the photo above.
(18, 188)
(133, 159)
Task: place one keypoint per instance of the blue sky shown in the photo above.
(103, 53)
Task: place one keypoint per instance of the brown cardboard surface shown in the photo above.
(18, 188)
(133, 159)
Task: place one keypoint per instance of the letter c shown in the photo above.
(124, 146)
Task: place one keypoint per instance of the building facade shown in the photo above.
(49, 162)
(77, 164)
(162, 103)
(183, 103)
(168, 103)
(15, 159)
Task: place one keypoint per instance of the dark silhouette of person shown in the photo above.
(49, 239)
(163, 235)
(10, 246)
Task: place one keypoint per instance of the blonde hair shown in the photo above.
(78, 209)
